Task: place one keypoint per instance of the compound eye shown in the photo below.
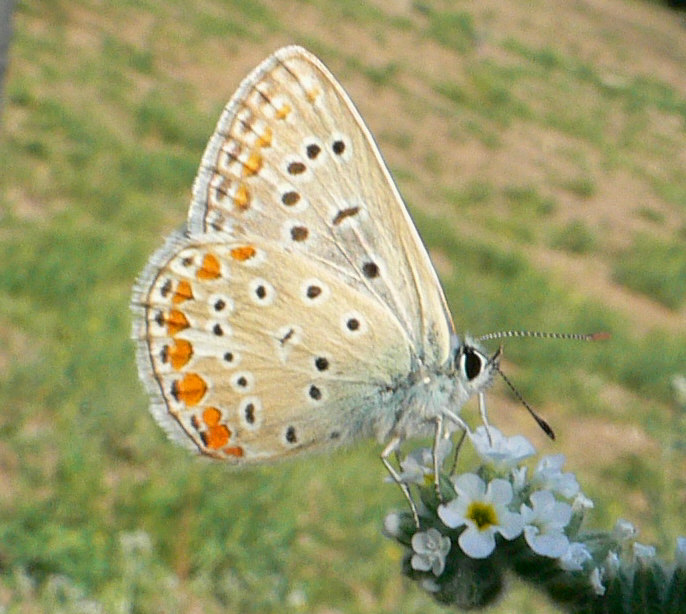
(472, 363)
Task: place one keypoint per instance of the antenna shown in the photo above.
(540, 334)
(544, 335)
(540, 421)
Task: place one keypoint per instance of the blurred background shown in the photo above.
(541, 147)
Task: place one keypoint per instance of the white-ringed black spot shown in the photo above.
(166, 288)
(219, 304)
(321, 363)
(290, 198)
(370, 270)
(299, 233)
(313, 291)
(164, 353)
(229, 357)
(344, 213)
(249, 412)
(315, 393)
(217, 330)
(187, 261)
(289, 334)
(263, 292)
(291, 437)
(313, 150)
(338, 147)
(296, 168)
(353, 324)
(159, 318)
(242, 382)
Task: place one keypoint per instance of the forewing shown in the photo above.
(292, 161)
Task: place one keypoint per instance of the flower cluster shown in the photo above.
(503, 515)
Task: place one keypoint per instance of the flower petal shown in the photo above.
(470, 485)
(421, 562)
(553, 545)
(477, 544)
(499, 492)
(511, 525)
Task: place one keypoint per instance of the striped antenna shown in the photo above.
(534, 333)
(543, 335)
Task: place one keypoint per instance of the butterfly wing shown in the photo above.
(250, 352)
(292, 161)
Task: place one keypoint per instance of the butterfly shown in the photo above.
(298, 308)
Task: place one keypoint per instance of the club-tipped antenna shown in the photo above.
(544, 335)
(541, 335)
(545, 427)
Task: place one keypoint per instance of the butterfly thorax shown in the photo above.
(431, 391)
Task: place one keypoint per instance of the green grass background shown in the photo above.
(542, 150)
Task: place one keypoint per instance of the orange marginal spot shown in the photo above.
(210, 268)
(242, 197)
(176, 322)
(180, 353)
(245, 252)
(184, 292)
(312, 94)
(265, 139)
(211, 416)
(253, 164)
(236, 451)
(191, 389)
(216, 436)
(284, 111)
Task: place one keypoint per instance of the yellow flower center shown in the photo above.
(482, 514)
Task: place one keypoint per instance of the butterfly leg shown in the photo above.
(457, 453)
(438, 435)
(387, 451)
(484, 416)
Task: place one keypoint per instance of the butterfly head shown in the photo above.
(474, 368)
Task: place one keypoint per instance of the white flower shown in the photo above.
(484, 511)
(643, 553)
(430, 549)
(392, 524)
(573, 560)
(680, 555)
(549, 476)
(624, 531)
(612, 563)
(518, 478)
(500, 452)
(597, 581)
(418, 465)
(582, 503)
(544, 524)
